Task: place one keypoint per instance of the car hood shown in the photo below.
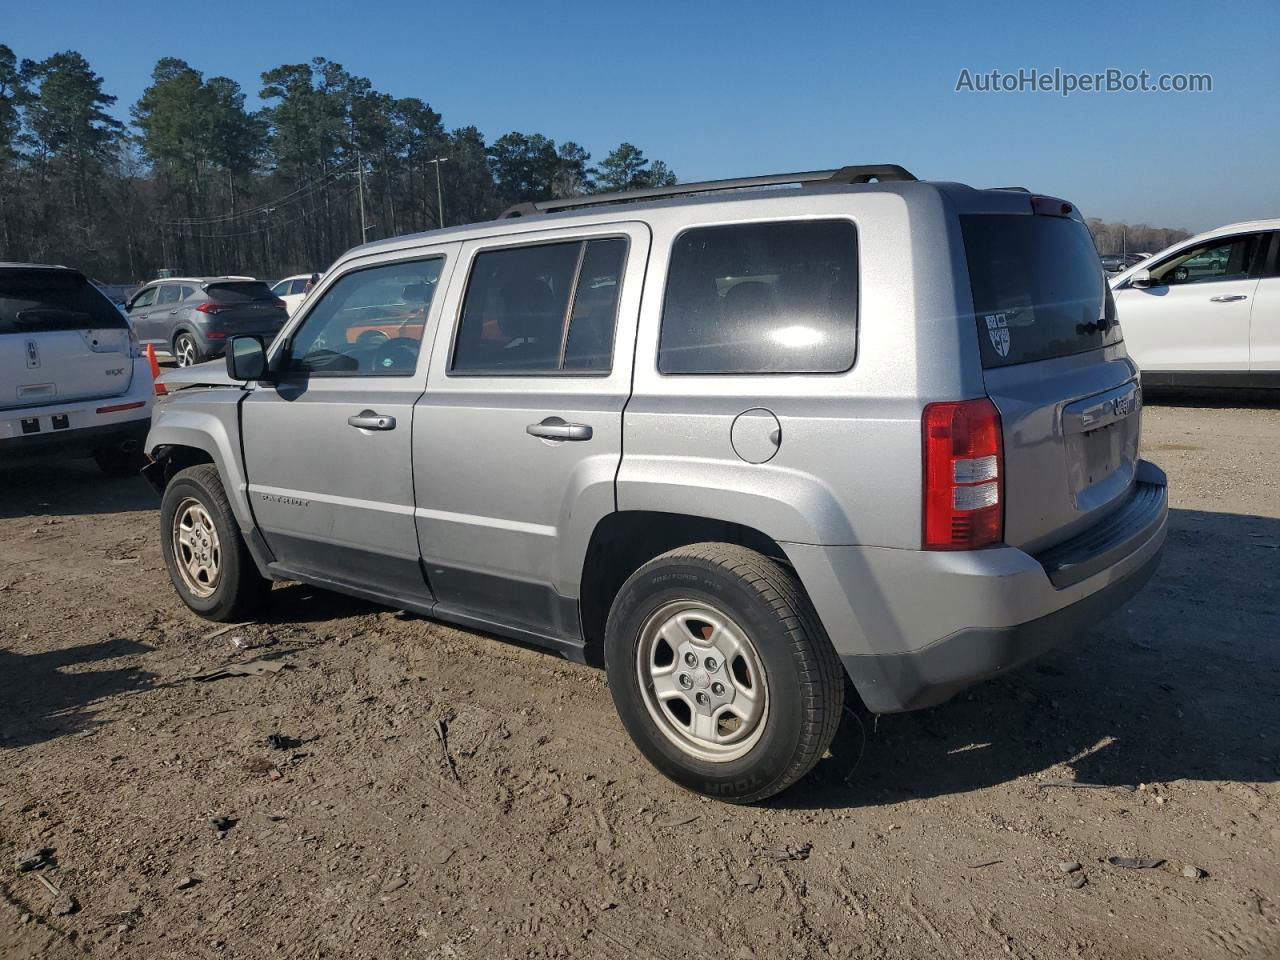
(212, 373)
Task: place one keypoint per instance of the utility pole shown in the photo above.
(439, 191)
(364, 227)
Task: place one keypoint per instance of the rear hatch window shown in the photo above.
(43, 301)
(240, 291)
(1038, 288)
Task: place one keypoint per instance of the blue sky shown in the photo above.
(733, 89)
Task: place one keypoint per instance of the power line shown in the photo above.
(265, 205)
(265, 227)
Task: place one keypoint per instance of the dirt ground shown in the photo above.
(536, 830)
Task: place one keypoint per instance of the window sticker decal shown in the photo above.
(998, 330)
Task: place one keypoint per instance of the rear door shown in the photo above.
(139, 310)
(61, 340)
(327, 446)
(1264, 319)
(1194, 317)
(162, 317)
(1056, 369)
(518, 438)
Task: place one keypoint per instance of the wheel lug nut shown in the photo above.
(702, 698)
(685, 681)
(718, 688)
(711, 663)
(690, 659)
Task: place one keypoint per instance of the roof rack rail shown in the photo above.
(1014, 189)
(852, 174)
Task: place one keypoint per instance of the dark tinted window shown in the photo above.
(239, 291)
(762, 298)
(1228, 258)
(1038, 289)
(520, 299)
(37, 301)
(369, 323)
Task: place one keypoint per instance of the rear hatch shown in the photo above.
(1055, 367)
(61, 340)
(245, 306)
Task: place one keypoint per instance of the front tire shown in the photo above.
(721, 671)
(207, 559)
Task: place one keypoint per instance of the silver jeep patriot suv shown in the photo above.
(736, 440)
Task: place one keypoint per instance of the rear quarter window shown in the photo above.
(754, 298)
(1038, 288)
(40, 301)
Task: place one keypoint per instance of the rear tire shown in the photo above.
(207, 559)
(186, 350)
(721, 671)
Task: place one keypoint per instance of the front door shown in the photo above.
(327, 446)
(1195, 314)
(518, 438)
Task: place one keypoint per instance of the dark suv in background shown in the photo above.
(192, 317)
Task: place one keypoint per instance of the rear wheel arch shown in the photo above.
(624, 541)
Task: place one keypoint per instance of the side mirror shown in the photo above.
(246, 359)
(1141, 279)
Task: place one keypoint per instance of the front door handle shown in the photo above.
(1228, 298)
(368, 420)
(556, 428)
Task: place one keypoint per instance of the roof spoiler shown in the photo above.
(866, 173)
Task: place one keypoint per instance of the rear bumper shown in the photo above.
(71, 443)
(76, 428)
(915, 627)
(211, 346)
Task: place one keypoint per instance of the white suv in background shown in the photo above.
(1206, 311)
(73, 382)
(293, 290)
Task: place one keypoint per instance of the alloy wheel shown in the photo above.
(703, 680)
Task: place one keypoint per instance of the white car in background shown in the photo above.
(73, 381)
(293, 290)
(1206, 311)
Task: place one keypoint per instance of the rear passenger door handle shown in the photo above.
(368, 420)
(555, 428)
(1228, 298)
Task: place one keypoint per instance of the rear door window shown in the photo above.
(239, 291)
(1038, 288)
(40, 301)
(169, 294)
(757, 298)
(542, 308)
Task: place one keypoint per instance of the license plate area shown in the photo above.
(1102, 434)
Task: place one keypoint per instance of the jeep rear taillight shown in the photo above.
(209, 306)
(963, 475)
